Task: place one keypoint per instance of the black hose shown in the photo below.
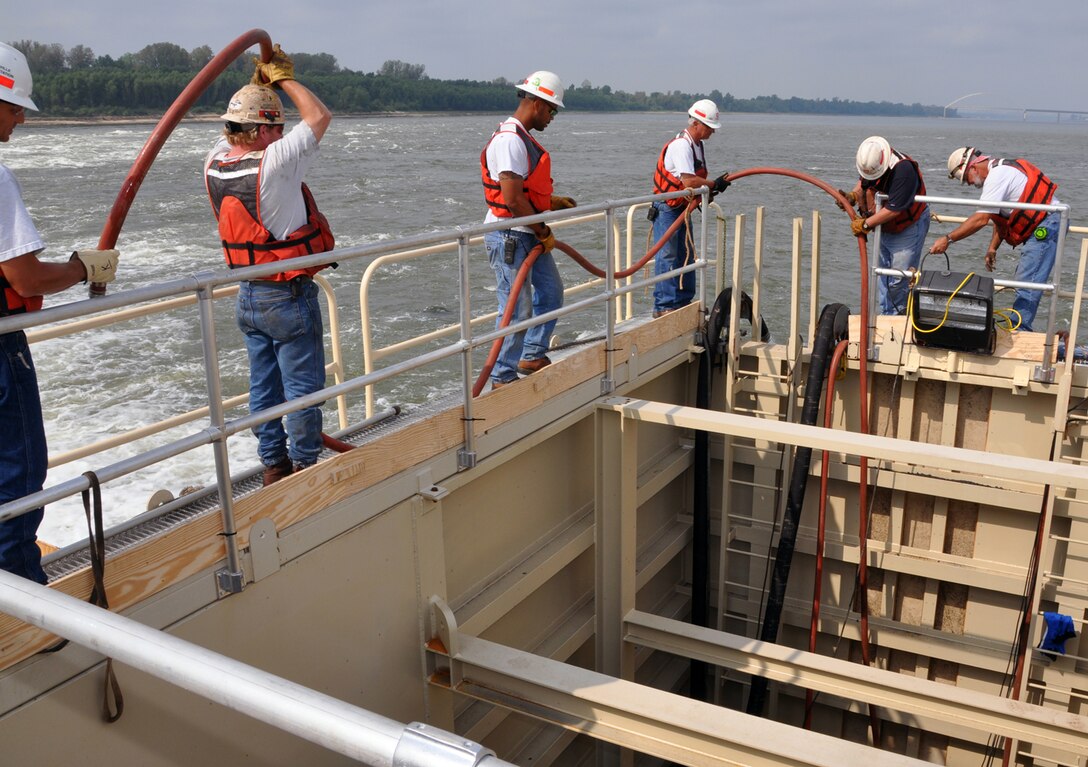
(700, 531)
(832, 328)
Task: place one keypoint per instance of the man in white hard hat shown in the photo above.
(254, 176)
(681, 165)
(516, 174)
(23, 281)
(905, 223)
(1036, 230)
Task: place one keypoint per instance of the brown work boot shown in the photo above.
(528, 367)
(662, 312)
(500, 384)
(277, 472)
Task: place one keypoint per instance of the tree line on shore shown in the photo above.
(75, 82)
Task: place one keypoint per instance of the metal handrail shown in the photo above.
(314, 716)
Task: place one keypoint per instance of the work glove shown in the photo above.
(101, 265)
(548, 240)
(562, 203)
(850, 198)
(857, 226)
(720, 184)
(279, 67)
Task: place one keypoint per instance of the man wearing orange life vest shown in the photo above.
(681, 165)
(904, 222)
(254, 176)
(1037, 230)
(516, 174)
(23, 281)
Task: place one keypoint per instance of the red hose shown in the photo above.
(585, 263)
(181, 106)
(863, 390)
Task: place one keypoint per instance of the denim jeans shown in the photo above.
(541, 293)
(22, 456)
(902, 250)
(284, 339)
(677, 291)
(1036, 261)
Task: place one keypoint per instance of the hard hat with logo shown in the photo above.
(960, 160)
(255, 104)
(874, 158)
(544, 85)
(706, 112)
(16, 84)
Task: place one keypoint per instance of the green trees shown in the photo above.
(76, 83)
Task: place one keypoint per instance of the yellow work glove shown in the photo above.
(101, 265)
(548, 240)
(857, 226)
(850, 198)
(562, 203)
(279, 67)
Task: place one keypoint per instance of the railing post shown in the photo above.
(231, 580)
(466, 456)
(608, 383)
(1045, 372)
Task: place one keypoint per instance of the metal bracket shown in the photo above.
(227, 583)
(428, 489)
(607, 386)
(422, 745)
(1044, 374)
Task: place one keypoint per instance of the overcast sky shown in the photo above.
(1018, 54)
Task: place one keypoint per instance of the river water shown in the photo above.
(387, 177)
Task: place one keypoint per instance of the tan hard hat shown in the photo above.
(255, 104)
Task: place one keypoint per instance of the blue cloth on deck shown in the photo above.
(1059, 629)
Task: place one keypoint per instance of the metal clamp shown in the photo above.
(422, 745)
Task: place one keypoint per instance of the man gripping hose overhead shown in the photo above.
(905, 223)
(681, 165)
(1036, 230)
(23, 281)
(254, 176)
(517, 179)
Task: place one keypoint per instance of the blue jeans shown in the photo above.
(677, 291)
(1036, 261)
(23, 457)
(284, 339)
(902, 250)
(541, 293)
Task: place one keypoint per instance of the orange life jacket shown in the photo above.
(537, 184)
(1040, 190)
(916, 210)
(13, 303)
(235, 196)
(666, 182)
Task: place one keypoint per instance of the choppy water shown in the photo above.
(387, 177)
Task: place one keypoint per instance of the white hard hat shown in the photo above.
(544, 85)
(16, 83)
(874, 157)
(706, 112)
(255, 104)
(959, 160)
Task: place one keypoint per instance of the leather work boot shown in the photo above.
(662, 312)
(528, 367)
(500, 384)
(277, 472)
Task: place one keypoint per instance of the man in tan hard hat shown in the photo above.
(681, 165)
(23, 281)
(266, 213)
(1036, 230)
(516, 174)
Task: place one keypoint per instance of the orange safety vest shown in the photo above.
(666, 182)
(537, 184)
(235, 198)
(1040, 190)
(916, 210)
(13, 303)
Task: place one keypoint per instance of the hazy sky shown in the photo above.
(928, 51)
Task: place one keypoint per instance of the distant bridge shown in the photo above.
(1074, 114)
